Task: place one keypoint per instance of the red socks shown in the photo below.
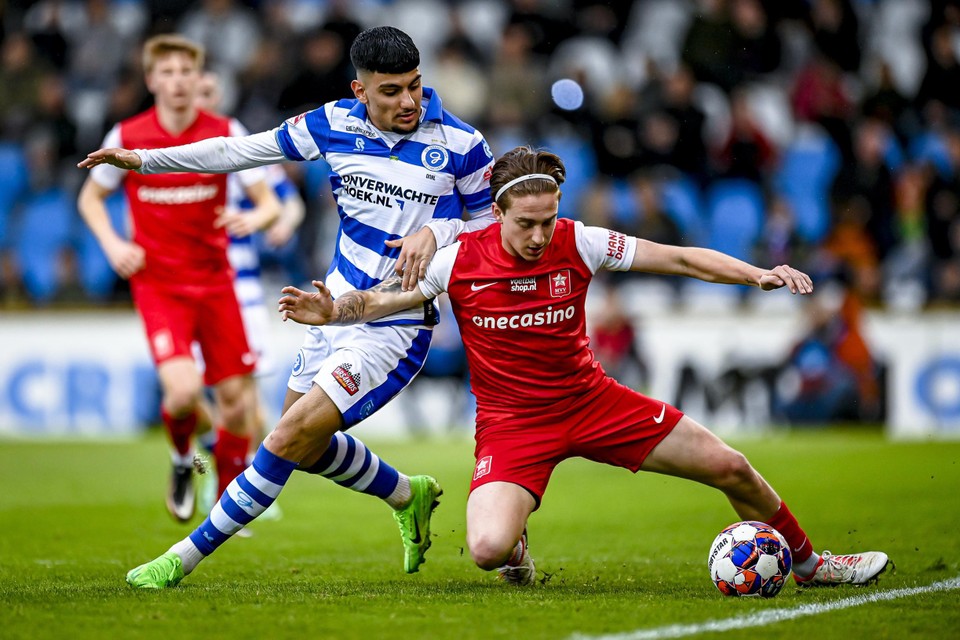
(230, 452)
(784, 522)
(180, 430)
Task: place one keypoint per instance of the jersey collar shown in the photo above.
(433, 112)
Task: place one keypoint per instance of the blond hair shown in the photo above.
(167, 43)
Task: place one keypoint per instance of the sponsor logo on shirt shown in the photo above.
(616, 245)
(519, 320)
(483, 467)
(349, 381)
(435, 157)
(560, 284)
(360, 144)
(383, 193)
(363, 131)
(178, 195)
(523, 284)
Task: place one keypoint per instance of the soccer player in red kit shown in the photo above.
(518, 291)
(176, 261)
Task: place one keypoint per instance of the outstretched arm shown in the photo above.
(353, 307)
(714, 266)
(213, 155)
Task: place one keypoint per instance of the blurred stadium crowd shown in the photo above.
(821, 133)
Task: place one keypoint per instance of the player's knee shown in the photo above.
(293, 439)
(181, 400)
(489, 550)
(733, 470)
(235, 412)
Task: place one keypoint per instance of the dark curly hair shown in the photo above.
(384, 50)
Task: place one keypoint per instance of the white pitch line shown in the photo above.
(771, 616)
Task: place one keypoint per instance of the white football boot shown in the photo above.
(522, 574)
(857, 568)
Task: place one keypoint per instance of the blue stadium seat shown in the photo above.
(735, 213)
(14, 181)
(681, 200)
(623, 203)
(931, 147)
(43, 234)
(581, 164)
(96, 276)
(807, 169)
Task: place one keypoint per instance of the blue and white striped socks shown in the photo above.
(246, 497)
(349, 463)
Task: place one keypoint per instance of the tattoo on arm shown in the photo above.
(390, 285)
(350, 308)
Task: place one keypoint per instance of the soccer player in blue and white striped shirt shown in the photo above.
(403, 170)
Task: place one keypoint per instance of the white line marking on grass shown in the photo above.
(771, 616)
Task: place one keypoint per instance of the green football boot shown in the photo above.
(414, 520)
(166, 571)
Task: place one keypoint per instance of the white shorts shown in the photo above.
(361, 367)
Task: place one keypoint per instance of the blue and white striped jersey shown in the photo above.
(386, 186)
(385, 191)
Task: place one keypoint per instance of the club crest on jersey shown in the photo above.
(298, 364)
(484, 465)
(349, 381)
(163, 343)
(435, 157)
(560, 284)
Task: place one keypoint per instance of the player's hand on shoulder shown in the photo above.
(786, 276)
(120, 158)
(305, 307)
(416, 251)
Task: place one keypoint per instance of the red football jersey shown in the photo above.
(523, 323)
(173, 213)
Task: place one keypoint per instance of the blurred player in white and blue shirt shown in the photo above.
(403, 171)
(243, 251)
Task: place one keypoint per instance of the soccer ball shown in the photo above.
(749, 559)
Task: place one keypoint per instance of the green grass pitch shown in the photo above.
(621, 554)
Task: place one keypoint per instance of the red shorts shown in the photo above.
(174, 320)
(613, 424)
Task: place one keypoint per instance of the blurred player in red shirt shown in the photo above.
(518, 290)
(176, 261)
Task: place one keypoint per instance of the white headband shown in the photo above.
(529, 176)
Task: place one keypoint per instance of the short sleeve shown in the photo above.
(439, 271)
(603, 248)
(106, 175)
